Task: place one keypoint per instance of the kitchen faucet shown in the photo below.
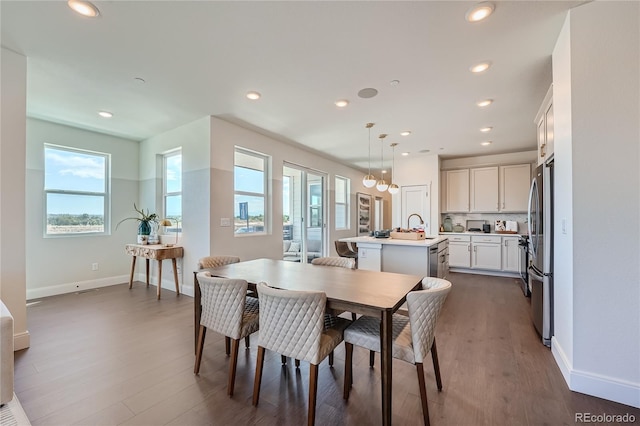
(409, 219)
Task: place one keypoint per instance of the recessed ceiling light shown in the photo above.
(484, 102)
(105, 114)
(84, 8)
(253, 95)
(394, 82)
(483, 66)
(479, 12)
(486, 143)
(368, 92)
(405, 153)
(341, 103)
(405, 133)
(486, 129)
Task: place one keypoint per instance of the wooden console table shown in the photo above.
(158, 252)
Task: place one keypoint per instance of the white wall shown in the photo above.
(602, 352)
(194, 140)
(63, 264)
(13, 109)
(224, 137)
(418, 170)
(562, 343)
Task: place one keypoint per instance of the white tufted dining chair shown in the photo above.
(341, 262)
(215, 261)
(292, 323)
(413, 336)
(227, 310)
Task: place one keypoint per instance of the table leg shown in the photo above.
(386, 360)
(175, 275)
(159, 277)
(133, 268)
(147, 261)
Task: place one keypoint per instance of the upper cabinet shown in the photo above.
(457, 182)
(487, 189)
(544, 121)
(484, 189)
(515, 181)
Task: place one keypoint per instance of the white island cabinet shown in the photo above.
(399, 256)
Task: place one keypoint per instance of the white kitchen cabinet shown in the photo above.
(457, 190)
(510, 254)
(459, 251)
(486, 252)
(484, 189)
(544, 121)
(515, 181)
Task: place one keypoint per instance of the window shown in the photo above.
(76, 188)
(250, 183)
(342, 203)
(172, 187)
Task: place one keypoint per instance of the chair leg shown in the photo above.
(227, 345)
(283, 359)
(232, 366)
(436, 364)
(297, 363)
(247, 342)
(348, 370)
(313, 390)
(199, 346)
(258, 379)
(331, 359)
(353, 316)
(423, 393)
(372, 358)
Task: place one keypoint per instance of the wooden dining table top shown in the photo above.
(361, 291)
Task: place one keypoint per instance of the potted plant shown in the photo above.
(146, 223)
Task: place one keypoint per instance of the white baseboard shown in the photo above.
(36, 293)
(21, 340)
(609, 388)
(484, 272)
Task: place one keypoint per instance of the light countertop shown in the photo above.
(427, 242)
(479, 233)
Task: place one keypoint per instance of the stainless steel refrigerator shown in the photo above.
(540, 227)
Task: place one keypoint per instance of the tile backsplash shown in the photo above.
(489, 218)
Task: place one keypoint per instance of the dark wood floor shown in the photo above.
(118, 356)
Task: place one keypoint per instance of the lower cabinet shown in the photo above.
(510, 254)
(460, 251)
(486, 252)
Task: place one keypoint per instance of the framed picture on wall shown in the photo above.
(364, 213)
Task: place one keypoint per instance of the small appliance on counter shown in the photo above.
(381, 234)
(486, 228)
(475, 225)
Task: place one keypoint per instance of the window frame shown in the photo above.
(345, 203)
(106, 194)
(264, 195)
(166, 193)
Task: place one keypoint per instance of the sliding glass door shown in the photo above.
(304, 213)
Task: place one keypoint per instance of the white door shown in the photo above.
(416, 199)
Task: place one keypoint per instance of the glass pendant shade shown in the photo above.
(381, 185)
(369, 181)
(393, 189)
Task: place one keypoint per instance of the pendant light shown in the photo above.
(393, 188)
(381, 185)
(369, 180)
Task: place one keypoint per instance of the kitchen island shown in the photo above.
(428, 257)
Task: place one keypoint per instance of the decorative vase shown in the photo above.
(153, 236)
(144, 229)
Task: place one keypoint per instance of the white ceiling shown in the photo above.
(200, 58)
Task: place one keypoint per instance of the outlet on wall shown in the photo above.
(94, 266)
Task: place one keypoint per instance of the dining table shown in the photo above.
(371, 293)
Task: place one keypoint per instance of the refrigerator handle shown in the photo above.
(529, 228)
